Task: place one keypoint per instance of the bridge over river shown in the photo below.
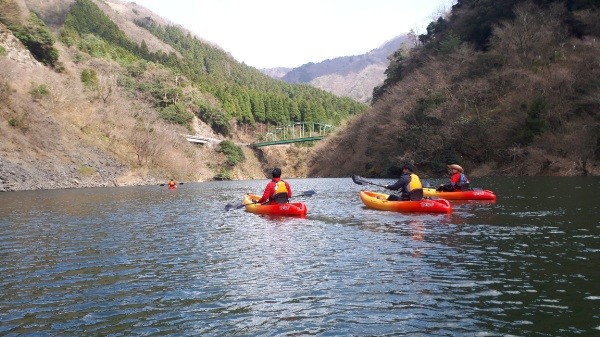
(282, 134)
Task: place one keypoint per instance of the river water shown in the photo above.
(147, 261)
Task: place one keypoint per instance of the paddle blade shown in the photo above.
(229, 207)
(357, 180)
(308, 193)
(239, 205)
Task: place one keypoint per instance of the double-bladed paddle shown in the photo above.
(239, 205)
(166, 184)
(361, 181)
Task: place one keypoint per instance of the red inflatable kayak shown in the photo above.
(460, 195)
(289, 209)
(379, 201)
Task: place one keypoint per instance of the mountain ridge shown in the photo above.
(353, 76)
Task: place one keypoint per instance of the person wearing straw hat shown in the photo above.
(458, 180)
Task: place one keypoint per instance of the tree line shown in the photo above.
(230, 91)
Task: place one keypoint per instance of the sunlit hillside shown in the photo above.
(98, 93)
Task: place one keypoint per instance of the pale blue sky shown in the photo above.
(289, 33)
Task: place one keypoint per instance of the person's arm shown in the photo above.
(266, 194)
(398, 184)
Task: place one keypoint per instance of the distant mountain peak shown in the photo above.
(352, 76)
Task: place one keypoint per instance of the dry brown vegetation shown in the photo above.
(58, 133)
(477, 108)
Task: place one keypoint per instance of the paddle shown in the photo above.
(165, 184)
(361, 181)
(239, 205)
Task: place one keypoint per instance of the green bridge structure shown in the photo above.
(295, 133)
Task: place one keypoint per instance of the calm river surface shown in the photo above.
(148, 261)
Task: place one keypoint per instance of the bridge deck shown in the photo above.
(287, 141)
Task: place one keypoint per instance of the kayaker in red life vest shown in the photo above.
(172, 183)
(277, 191)
(409, 185)
(458, 180)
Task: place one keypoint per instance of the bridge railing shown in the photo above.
(287, 141)
(297, 130)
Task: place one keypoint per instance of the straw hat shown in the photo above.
(456, 167)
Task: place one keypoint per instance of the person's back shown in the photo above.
(281, 193)
(277, 191)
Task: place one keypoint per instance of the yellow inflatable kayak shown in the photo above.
(379, 201)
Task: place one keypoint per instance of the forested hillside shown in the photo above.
(241, 92)
(101, 92)
(501, 87)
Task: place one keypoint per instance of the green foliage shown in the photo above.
(246, 94)
(535, 122)
(38, 39)
(423, 106)
(233, 152)
(89, 77)
(3, 51)
(39, 91)
(86, 170)
(216, 118)
(176, 113)
(13, 122)
(224, 174)
(68, 36)
(137, 69)
(97, 47)
(243, 94)
(86, 18)
(434, 29)
(449, 43)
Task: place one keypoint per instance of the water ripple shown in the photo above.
(147, 261)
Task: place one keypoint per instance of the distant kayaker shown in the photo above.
(458, 180)
(277, 191)
(409, 185)
(172, 183)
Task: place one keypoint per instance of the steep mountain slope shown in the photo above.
(99, 93)
(348, 76)
(520, 97)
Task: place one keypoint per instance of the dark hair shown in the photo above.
(276, 172)
(409, 167)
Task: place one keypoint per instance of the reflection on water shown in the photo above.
(152, 261)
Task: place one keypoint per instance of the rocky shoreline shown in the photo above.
(42, 176)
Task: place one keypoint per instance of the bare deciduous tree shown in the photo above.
(145, 142)
(106, 85)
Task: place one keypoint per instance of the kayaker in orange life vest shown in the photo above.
(409, 185)
(458, 180)
(277, 191)
(172, 183)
